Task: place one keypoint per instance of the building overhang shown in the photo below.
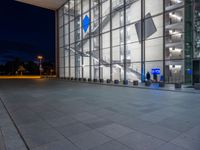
(48, 4)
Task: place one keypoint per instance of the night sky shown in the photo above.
(25, 32)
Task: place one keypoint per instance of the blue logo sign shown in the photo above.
(190, 71)
(155, 71)
(86, 23)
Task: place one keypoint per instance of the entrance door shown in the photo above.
(196, 71)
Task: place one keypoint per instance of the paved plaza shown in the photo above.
(61, 115)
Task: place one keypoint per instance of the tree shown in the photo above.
(12, 66)
(2, 69)
(21, 69)
(31, 67)
(48, 68)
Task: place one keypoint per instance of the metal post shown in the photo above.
(111, 71)
(90, 57)
(99, 7)
(164, 35)
(124, 40)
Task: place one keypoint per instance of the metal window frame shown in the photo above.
(143, 48)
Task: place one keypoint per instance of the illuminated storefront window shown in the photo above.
(123, 39)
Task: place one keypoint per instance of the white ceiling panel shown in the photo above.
(49, 4)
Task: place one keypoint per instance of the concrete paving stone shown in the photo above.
(40, 107)
(117, 117)
(9, 132)
(188, 105)
(91, 108)
(136, 123)
(73, 129)
(5, 120)
(2, 142)
(41, 137)
(191, 119)
(187, 142)
(70, 110)
(97, 123)
(89, 140)
(115, 109)
(128, 112)
(170, 146)
(44, 109)
(84, 116)
(176, 124)
(148, 109)
(34, 127)
(153, 118)
(61, 121)
(159, 115)
(26, 118)
(114, 130)
(13, 143)
(194, 133)
(149, 128)
(192, 112)
(51, 114)
(58, 145)
(103, 112)
(2, 110)
(140, 141)
(19, 107)
(17, 148)
(112, 145)
(167, 111)
(160, 132)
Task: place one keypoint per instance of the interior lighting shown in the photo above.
(175, 67)
(175, 33)
(175, 49)
(173, 15)
(66, 6)
(176, 1)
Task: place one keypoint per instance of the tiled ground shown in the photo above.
(61, 115)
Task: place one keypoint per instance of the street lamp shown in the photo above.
(40, 61)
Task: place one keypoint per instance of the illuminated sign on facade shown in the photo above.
(155, 71)
(86, 23)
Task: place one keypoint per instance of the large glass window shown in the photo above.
(174, 42)
(122, 39)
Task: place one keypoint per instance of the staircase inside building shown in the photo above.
(105, 61)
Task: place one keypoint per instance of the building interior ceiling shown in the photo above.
(48, 4)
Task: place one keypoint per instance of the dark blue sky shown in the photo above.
(26, 31)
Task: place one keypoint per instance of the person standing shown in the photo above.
(155, 77)
(148, 76)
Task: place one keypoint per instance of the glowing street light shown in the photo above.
(39, 57)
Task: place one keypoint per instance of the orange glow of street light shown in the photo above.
(40, 57)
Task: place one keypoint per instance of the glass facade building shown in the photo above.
(125, 39)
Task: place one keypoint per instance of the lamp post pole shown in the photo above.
(40, 63)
